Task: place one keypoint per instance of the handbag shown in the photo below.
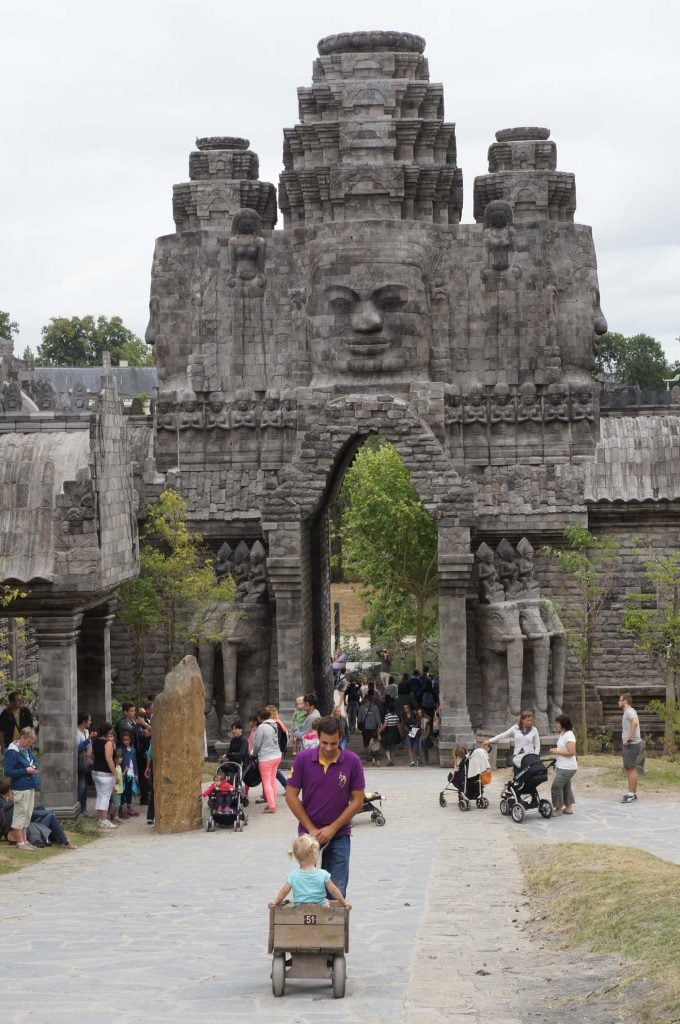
(374, 745)
(85, 759)
(485, 778)
(251, 776)
(414, 732)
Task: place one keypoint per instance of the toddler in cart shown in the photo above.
(309, 883)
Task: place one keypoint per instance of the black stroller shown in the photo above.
(228, 808)
(468, 787)
(521, 792)
(373, 805)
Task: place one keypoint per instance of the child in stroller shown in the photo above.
(470, 774)
(521, 791)
(226, 799)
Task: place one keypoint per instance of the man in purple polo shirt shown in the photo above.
(332, 784)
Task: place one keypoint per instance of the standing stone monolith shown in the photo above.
(178, 748)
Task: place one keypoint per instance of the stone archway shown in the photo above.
(295, 520)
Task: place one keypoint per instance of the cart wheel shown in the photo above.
(442, 800)
(517, 813)
(279, 974)
(545, 809)
(339, 976)
(504, 807)
(484, 803)
(380, 818)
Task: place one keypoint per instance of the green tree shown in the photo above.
(654, 621)
(591, 563)
(7, 683)
(389, 543)
(82, 341)
(176, 582)
(639, 359)
(8, 328)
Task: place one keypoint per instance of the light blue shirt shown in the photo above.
(309, 886)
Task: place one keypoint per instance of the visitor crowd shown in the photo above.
(389, 716)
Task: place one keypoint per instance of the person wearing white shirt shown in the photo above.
(524, 737)
(566, 767)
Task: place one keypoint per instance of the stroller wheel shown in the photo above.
(504, 807)
(483, 803)
(244, 818)
(463, 805)
(379, 818)
(374, 815)
(442, 800)
(545, 809)
(517, 813)
(210, 827)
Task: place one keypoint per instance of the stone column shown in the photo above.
(57, 636)
(94, 665)
(455, 566)
(285, 566)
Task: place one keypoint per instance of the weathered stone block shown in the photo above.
(178, 749)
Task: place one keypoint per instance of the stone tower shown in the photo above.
(374, 310)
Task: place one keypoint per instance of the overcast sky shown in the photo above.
(101, 104)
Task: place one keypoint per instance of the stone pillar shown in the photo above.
(178, 749)
(230, 646)
(57, 636)
(293, 642)
(94, 665)
(455, 566)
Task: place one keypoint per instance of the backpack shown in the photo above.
(427, 700)
(283, 738)
(37, 834)
(369, 716)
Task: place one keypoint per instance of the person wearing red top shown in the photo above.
(332, 784)
(224, 790)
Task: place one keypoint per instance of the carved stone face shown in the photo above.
(582, 321)
(475, 398)
(369, 318)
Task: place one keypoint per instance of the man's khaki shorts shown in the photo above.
(24, 800)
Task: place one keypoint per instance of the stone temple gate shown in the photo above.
(374, 310)
(470, 347)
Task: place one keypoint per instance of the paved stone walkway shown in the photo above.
(166, 929)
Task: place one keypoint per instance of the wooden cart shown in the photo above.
(315, 939)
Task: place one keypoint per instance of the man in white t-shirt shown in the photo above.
(631, 745)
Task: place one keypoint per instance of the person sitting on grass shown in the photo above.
(309, 883)
(40, 814)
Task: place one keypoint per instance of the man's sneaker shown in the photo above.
(628, 798)
(106, 824)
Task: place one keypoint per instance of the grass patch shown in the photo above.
(660, 773)
(616, 900)
(80, 832)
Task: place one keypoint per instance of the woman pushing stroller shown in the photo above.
(524, 736)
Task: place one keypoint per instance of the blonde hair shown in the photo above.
(273, 711)
(303, 847)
